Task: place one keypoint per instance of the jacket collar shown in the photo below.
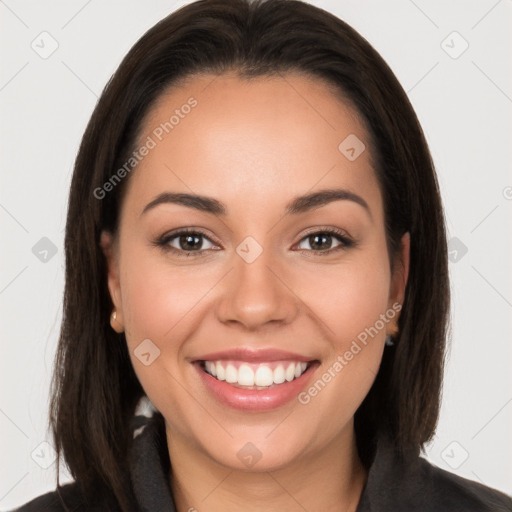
(149, 464)
(393, 484)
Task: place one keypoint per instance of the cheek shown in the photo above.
(352, 309)
(160, 303)
(157, 297)
(349, 297)
(362, 297)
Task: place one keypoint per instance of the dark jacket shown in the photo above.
(416, 486)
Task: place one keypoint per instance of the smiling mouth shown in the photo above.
(259, 376)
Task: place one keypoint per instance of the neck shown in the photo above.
(329, 479)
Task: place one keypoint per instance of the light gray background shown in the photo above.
(463, 103)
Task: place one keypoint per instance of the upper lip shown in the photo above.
(253, 355)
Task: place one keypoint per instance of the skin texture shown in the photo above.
(255, 145)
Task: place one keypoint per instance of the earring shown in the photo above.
(114, 323)
(389, 340)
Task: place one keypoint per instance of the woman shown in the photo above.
(292, 359)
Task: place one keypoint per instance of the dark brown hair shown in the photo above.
(95, 389)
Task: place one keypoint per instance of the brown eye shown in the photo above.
(321, 242)
(188, 241)
(185, 243)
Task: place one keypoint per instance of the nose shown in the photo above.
(257, 293)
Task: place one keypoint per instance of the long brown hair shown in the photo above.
(95, 389)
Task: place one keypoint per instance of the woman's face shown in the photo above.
(260, 285)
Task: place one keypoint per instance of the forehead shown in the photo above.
(257, 141)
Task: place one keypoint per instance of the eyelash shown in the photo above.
(163, 242)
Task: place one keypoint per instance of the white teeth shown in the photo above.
(231, 373)
(221, 373)
(290, 372)
(210, 367)
(260, 375)
(264, 376)
(279, 375)
(245, 375)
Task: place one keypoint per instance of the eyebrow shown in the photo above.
(298, 205)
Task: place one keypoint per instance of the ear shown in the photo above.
(399, 280)
(110, 251)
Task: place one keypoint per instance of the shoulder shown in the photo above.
(69, 497)
(64, 499)
(448, 491)
(401, 485)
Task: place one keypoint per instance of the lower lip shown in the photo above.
(255, 399)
